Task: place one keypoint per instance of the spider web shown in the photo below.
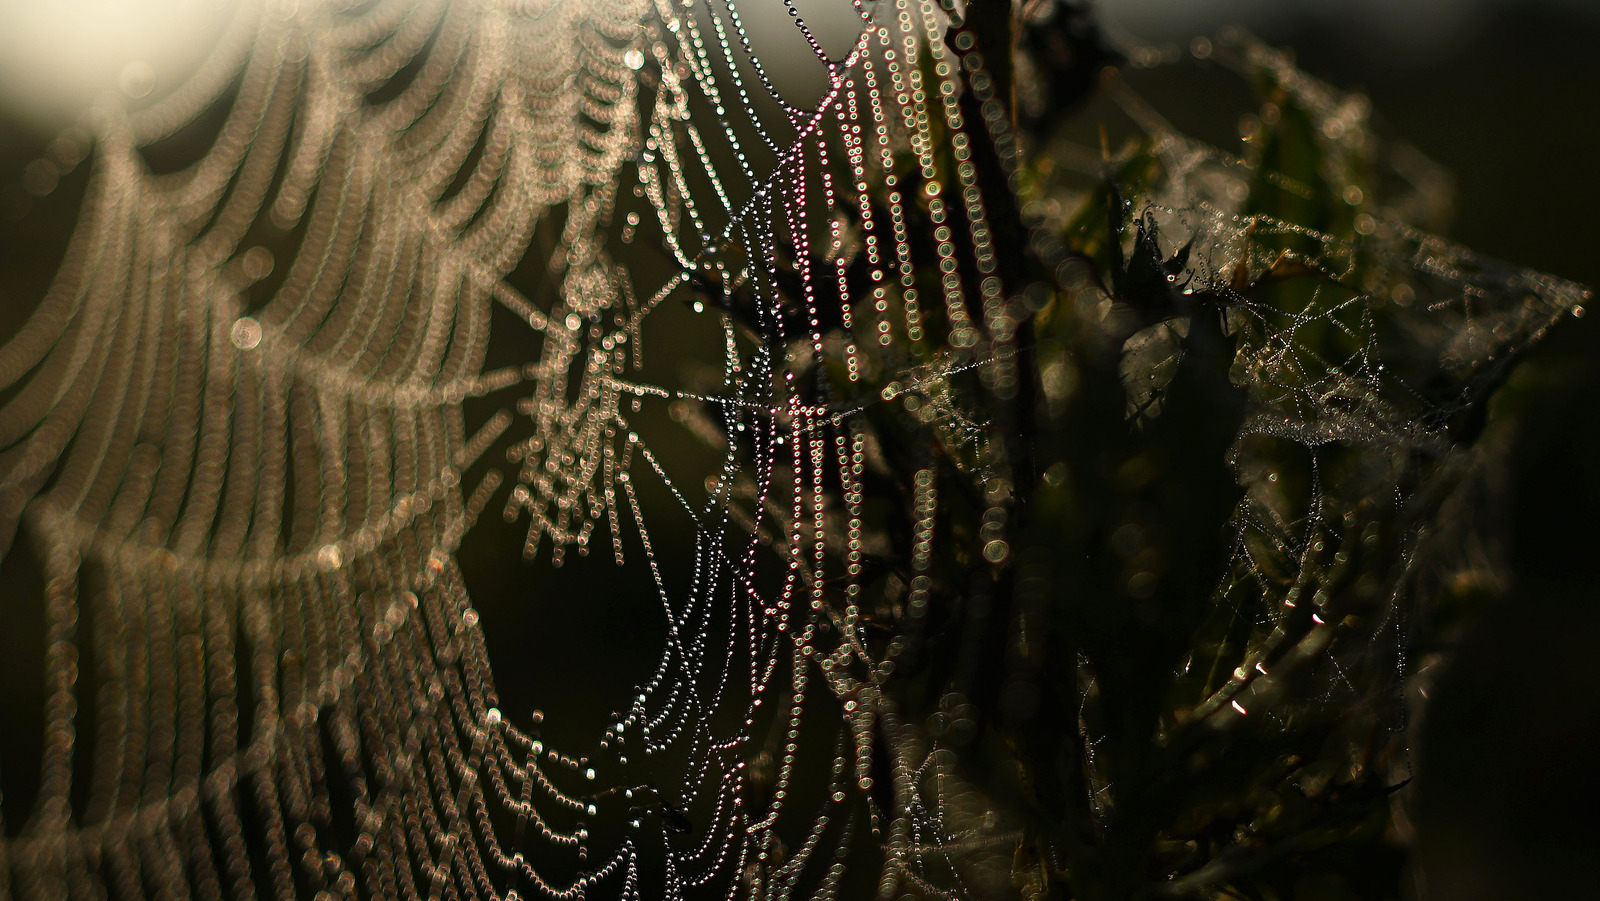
(239, 442)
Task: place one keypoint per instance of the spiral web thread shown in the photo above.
(247, 513)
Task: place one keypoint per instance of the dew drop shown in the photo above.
(256, 263)
(40, 177)
(137, 79)
(246, 333)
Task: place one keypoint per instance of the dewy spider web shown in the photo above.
(245, 490)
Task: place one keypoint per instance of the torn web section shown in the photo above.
(1366, 346)
(1357, 419)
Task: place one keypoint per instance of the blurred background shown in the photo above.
(1503, 93)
